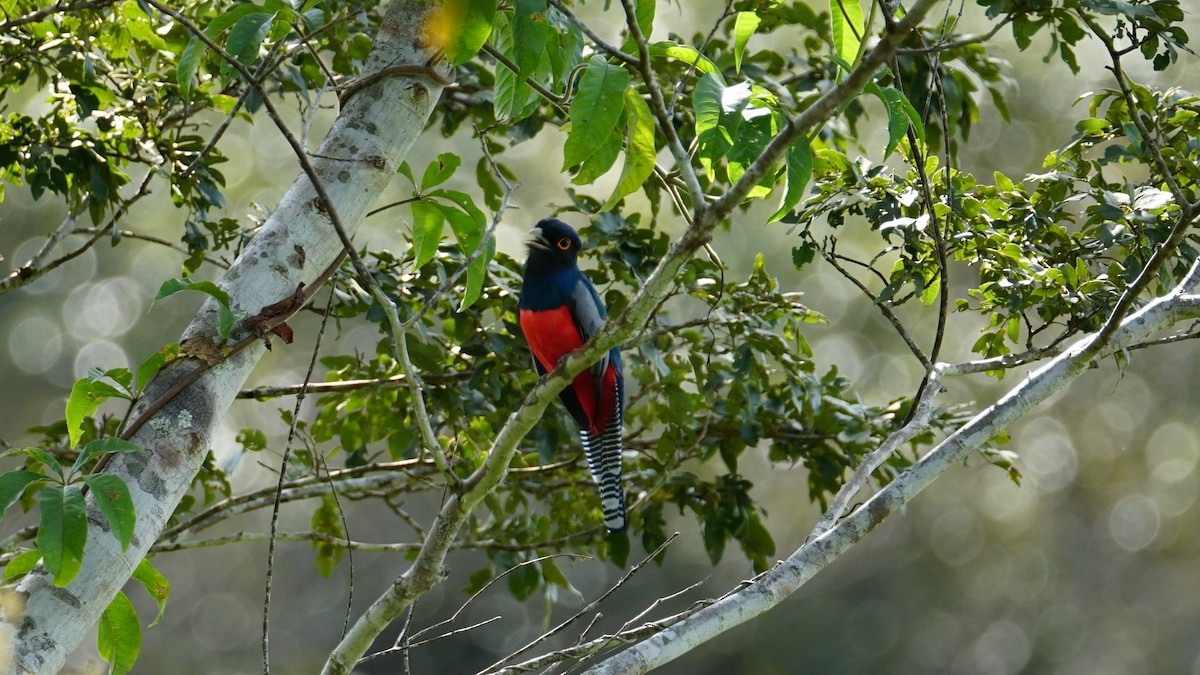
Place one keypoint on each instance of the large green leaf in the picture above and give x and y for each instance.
(62, 531)
(595, 109)
(119, 636)
(847, 18)
(111, 495)
(639, 150)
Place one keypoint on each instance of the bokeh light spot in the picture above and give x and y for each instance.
(1134, 522)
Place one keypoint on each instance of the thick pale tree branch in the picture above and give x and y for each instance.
(771, 588)
(41, 623)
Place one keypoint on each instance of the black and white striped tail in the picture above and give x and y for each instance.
(604, 460)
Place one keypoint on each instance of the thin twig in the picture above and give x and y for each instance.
(588, 608)
(831, 257)
(283, 466)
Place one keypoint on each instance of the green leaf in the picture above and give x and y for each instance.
(440, 170)
(476, 273)
(706, 102)
(21, 565)
(83, 402)
(189, 60)
(688, 55)
(172, 286)
(467, 230)
(247, 36)
(120, 636)
(152, 365)
(639, 151)
(594, 110)
(155, 584)
(13, 484)
(743, 28)
(62, 531)
(901, 114)
(327, 520)
(512, 97)
(799, 171)
(530, 32)
(599, 162)
(466, 25)
(103, 446)
(427, 226)
(41, 456)
(847, 18)
(111, 494)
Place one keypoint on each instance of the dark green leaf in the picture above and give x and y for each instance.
(103, 446)
(799, 171)
(13, 484)
(687, 54)
(530, 32)
(427, 226)
(112, 497)
(62, 531)
(185, 71)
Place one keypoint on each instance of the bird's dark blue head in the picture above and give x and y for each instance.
(553, 245)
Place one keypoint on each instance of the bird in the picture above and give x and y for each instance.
(559, 310)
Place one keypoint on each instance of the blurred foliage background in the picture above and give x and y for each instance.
(1089, 566)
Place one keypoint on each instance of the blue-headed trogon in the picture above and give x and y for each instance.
(559, 311)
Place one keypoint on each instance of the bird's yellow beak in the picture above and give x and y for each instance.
(536, 239)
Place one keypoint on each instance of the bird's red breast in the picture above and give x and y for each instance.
(552, 334)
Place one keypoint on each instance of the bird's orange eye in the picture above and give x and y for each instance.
(564, 244)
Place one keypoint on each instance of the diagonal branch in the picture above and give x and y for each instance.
(774, 586)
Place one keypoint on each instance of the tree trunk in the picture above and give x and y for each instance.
(42, 624)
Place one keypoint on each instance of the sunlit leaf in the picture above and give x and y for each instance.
(639, 151)
(847, 18)
(744, 26)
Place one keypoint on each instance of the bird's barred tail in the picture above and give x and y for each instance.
(604, 460)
